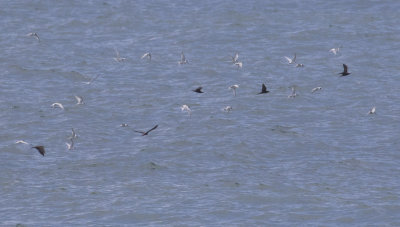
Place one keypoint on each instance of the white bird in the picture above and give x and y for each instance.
(79, 100)
(228, 108)
(92, 80)
(372, 111)
(299, 65)
(148, 55)
(183, 59)
(34, 34)
(293, 95)
(187, 109)
(235, 58)
(57, 104)
(316, 89)
(291, 60)
(334, 50)
(70, 146)
(239, 64)
(233, 87)
(21, 141)
(123, 125)
(118, 57)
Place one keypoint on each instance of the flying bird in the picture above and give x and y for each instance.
(334, 50)
(372, 111)
(291, 60)
(316, 89)
(79, 100)
(21, 141)
(40, 149)
(183, 59)
(118, 57)
(92, 80)
(57, 104)
(147, 55)
(146, 133)
(293, 95)
(263, 89)
(345, 72)
(34, 34)
(198, 90)
(233, 87)
(187, 109)
(228, 108)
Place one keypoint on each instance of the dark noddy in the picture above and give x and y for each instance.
(198, 90)
(146, 133)
(40, 149)
(344, 73)
(263, 89)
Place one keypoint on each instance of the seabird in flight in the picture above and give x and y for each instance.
(345, 72)
(263, 89)
(198, 90)
(145, 133)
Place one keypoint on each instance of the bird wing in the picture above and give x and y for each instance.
(151, 129)
(145, 55)
(182, 57)
(344, 68)
(139, 131)
(264, 88)
(288, 59)
(294, 59)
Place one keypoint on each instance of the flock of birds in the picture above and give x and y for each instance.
(184, 108)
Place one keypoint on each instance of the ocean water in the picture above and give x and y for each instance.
(314, 160)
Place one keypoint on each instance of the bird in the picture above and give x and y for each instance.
(334, 50)
(198, 90)
(146, 133)
(70, 146)
(79, 100)
(118, 57)
(316, 89)
(233, 87)
(34, 34)
(293, 95)
(21, 141)
(372, 111)
(57, 104)
(227, 108)
(40, 149)
(291, 60)
(263, 89)
(148, 55)
(345, 72)
(299, 65)
(235, 58)
(123, 125)
(187, 109)
(183, 59)
(92, 80)
(239, 64)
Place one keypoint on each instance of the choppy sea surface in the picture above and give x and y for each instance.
(317, 159)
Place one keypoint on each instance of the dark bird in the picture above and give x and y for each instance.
(263, 89)
(198, 90)
(344, 73)
(145, 133)
(40, 149)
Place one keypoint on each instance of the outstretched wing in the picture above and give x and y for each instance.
(151, 129)
(344, 68)
(139, 131)
(264, 88)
